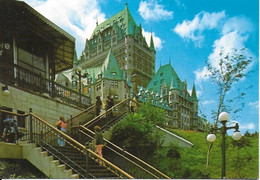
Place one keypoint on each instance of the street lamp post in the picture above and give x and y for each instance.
(223, 118)
(80, 75)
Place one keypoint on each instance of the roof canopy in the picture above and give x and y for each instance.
(24, 21)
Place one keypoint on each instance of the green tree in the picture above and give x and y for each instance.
(231, 68)
(240, 160)
(138, 132)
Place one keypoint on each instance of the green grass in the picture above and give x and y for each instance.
(195, 158)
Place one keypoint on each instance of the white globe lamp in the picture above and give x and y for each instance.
(211, 138)
(237, 135)
(223, 117)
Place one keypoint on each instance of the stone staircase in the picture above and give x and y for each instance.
(95, 170)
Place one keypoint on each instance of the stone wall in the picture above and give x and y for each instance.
(47, 108)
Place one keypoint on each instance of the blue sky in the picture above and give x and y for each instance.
(187, 33)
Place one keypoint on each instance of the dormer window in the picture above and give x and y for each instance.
(114, 74)
(99, 76)
(162, 80)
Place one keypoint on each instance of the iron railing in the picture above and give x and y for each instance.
(121, 158)
(109, 117)
(45, 135)
(37, 130)
(81, 117)
(15, 75)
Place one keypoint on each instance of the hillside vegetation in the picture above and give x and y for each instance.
(242, 158)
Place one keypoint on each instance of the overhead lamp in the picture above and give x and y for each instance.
(6, 90)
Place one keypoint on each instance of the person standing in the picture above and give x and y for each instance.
(99, 141)
(108, 103)
(11, 128)
(61, 125)
(98, 105)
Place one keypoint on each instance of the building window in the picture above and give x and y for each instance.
(112, 84)
(161, 74)
(155, 83)
(98, 87)
(74, 83)
(161, 81)
(89, 80)
(116, 84)
(114, 39)
(164, 92)
(99, 76)
(34, 62)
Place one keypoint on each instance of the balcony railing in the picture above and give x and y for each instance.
(15, 75)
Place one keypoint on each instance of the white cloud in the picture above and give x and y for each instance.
(76, 17)
(179, 3)
(193, 30)
(247, 126)
(234, 35)
(198, 92)
(201, 75)
(254, 104)
(156, 40)
(207, 102)
(237, 23)
(151, 10)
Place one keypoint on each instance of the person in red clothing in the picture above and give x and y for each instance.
(99, 140)
(61, 125)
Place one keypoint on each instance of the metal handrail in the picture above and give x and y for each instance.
(106, 112)
(74, 118)
(13, 113)
(85, 127)
(81, 148)
(20, 77)
(129, 154)
(129, 160)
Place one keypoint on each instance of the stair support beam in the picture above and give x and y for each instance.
(87, 160)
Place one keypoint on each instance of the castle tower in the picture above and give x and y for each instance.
(121, 33)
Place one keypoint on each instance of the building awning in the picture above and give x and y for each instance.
(23, 18)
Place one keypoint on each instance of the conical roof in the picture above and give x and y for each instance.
(111, 68)
(194, 94)
(123, 19)
(165, 74)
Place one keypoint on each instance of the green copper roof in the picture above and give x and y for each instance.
(123, 19)
(152, 44)
(165, 75)
(194, 94)
(111, 68)
(75, 59)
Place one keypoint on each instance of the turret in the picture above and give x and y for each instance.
(152, 44)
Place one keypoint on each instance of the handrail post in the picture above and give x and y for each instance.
(31, 134)
(41, 138)
(80, 134)
(70, 122)
(87, 159)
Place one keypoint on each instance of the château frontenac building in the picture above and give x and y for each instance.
(117, 62)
